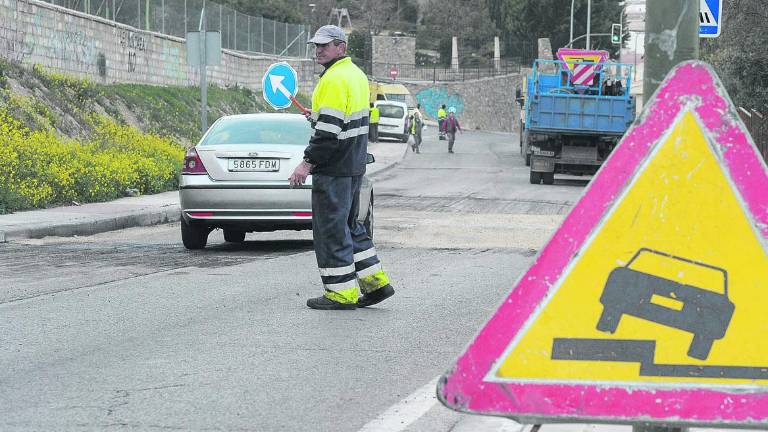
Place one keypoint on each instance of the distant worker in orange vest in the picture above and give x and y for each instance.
(440, 119)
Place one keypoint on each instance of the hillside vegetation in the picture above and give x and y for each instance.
(65, 140)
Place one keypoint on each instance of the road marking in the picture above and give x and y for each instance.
(402, 414)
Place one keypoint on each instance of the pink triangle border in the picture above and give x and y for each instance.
(463, 388)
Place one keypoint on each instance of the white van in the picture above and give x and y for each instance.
(393, 120)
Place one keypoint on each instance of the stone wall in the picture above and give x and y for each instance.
(486, 104)
(391, 50)
(65, 41)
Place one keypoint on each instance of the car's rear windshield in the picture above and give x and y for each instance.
(396, 97)
(255, 130)
(391, 111)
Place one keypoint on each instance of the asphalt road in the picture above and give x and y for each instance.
(128, 330)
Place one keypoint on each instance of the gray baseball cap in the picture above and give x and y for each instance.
(328, 33)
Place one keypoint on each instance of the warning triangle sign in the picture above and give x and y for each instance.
(648, 303)
(572, 56)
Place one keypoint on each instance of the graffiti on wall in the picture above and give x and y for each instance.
(172, 67)
(34, 38)
(431, 98)
(131, 42)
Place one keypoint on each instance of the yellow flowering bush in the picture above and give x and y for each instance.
(40, 169)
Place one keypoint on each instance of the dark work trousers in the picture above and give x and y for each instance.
(373, 132)
(343, 249)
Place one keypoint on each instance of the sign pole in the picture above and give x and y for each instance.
(672, 37)
(203, 83)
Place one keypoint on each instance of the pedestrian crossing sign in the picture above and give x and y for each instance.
(648, 303)
(710, 15)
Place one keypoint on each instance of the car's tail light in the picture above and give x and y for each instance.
(302, 214)
(193, 164)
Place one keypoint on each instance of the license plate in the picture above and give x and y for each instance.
(254, 164)
(543, 153)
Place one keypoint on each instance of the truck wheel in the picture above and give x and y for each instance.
(549, 178)
(524, 149)
(535, 177)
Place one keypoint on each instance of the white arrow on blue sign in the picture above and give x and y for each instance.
(710, 18)
(279, 85)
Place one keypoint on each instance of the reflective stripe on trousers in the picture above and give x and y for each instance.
(345, 254)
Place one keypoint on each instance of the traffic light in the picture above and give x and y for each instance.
(616, 34)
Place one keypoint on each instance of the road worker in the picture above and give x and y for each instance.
(336, 158)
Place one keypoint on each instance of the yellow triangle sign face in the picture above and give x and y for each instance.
(671, 287)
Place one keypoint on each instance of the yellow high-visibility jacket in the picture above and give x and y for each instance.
(340, 110)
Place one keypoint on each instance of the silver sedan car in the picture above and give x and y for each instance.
(236, 179)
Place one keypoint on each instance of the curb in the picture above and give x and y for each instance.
(390, 166)
(86, 227)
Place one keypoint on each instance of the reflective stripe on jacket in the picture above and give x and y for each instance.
(340, 108)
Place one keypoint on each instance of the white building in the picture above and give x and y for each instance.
(633, 50)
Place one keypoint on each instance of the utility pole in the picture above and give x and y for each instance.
(203, 84)
(671, 37)
(589, 22)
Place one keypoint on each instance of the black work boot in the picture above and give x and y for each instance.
(377, 296)
(325, 303)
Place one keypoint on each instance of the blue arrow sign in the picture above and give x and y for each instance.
(279, 85)
(710, 15)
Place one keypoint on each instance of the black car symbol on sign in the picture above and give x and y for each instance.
(702, 312)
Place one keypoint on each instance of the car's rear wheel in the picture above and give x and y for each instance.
(548, 178)
(193, 236)
(405, 138)
(535, 177)
(234, 236)
(369, 219)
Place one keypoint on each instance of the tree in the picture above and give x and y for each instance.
(740, 55)
(290, 11)
(525, 21)
(470, 22)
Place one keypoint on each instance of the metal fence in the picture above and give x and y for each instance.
(177, 17)
(757, 124)
(412, 72)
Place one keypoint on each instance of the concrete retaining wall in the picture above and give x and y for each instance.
(487, 104)
(66, 41)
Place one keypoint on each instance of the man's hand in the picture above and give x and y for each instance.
(300, 174)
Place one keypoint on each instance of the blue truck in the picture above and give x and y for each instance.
(574, 113)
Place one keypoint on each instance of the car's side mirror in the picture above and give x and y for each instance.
(369, 158)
